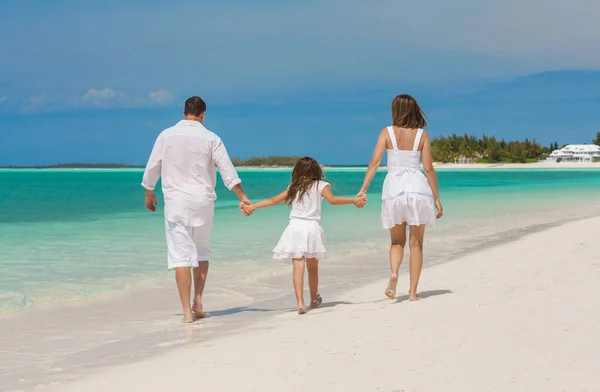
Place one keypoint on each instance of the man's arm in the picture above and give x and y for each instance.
(228, 173)
(152, 174)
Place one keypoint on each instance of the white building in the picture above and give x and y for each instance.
(575, 153)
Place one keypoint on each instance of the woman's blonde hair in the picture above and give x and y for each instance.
(406, 113)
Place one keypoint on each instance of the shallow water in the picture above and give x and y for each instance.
(83, 274)
(69, 234)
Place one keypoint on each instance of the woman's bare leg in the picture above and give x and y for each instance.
(398, 241)
(312, 265)
(417, 233)
(299, 283)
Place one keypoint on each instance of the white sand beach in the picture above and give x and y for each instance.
(518, 316)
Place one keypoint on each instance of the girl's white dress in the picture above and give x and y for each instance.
(406, 195)
(304, 237)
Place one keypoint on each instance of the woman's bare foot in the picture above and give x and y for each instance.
(315, 303)
(198, 312)
(413, 297)
(390, 291)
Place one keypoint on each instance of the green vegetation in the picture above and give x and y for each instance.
(487, 149)
(266, 161)
(447, 149)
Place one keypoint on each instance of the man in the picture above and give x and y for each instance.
(186, 156)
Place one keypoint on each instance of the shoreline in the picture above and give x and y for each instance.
(467, 302)
(107, 339)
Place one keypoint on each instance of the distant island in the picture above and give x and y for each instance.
(472, 149)
(445, 149)
(269, 161)
(77, 166)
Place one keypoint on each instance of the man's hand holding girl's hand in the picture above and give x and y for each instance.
(247, 209)
(244, 204)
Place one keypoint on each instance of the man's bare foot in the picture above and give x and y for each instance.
(390, 291)
(315, 303)
(198, 312)
(188, 316)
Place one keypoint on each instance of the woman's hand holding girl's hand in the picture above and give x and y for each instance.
(438, 206)
(360, 200)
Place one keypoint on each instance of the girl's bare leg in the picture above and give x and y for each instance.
(417, 233)
(398, 242)
(313, 282)
(298, 278)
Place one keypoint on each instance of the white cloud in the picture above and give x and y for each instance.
(317, 44)
(104, 98)
(112, 98)
(161, 97)
(2, 99)
(39, 101)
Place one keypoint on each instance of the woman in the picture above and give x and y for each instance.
(409, 197)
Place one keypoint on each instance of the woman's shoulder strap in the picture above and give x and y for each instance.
(417, 139)
(392, 137)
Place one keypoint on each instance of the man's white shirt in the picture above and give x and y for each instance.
(187, 157)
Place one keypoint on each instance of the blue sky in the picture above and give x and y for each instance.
(97, 81)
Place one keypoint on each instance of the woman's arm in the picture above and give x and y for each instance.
(338, 200)
(430, 173)
(273, 201)
(375, 161)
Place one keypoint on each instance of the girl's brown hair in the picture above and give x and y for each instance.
(406, 113)
(305, 174)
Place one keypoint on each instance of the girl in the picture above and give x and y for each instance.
(303, 240)
(408, 195)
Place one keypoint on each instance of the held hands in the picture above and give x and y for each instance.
(360, 200)
(246, 207)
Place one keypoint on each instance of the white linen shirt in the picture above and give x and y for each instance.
(187, 156)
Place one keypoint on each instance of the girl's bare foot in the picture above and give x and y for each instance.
(301, 308)
(316, 302)
(390, 291)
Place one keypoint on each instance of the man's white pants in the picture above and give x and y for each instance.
(187, 245)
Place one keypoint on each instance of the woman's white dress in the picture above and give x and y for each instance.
(304, 237)
(406, 195)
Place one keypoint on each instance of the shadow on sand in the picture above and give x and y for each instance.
(333, 304)
(240, 309)
(232, 311)
(424, 295)
(324, 305)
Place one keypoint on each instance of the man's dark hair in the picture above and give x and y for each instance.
(194, 106)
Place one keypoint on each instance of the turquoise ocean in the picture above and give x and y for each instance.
(73, 234)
